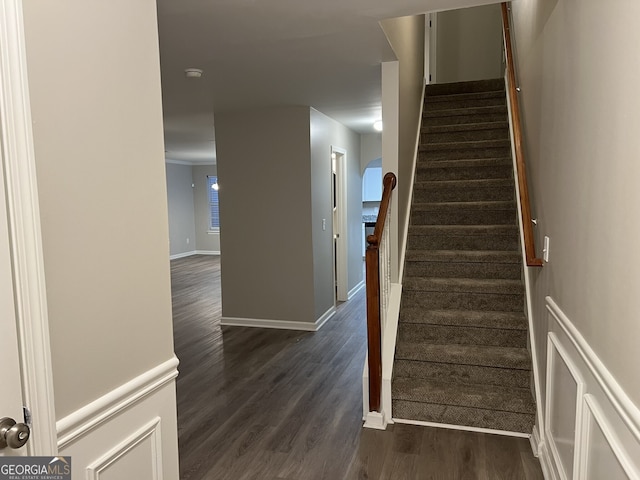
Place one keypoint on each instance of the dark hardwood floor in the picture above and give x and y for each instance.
(280, 404)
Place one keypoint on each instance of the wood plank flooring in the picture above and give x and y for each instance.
(287, 405)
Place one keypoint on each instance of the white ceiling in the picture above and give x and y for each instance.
(260, 53)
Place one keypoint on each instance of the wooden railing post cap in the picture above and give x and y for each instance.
(390, 177)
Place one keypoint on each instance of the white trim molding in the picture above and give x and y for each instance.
(352, 293)
(279, 324)
(151, 431)
(601, 434)
(192, 253)
(176, 256)
(24, 221)
(72, 427)
(462, 427)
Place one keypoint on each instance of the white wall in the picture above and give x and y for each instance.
(180, 200)
(102, 188)
(469, 44)
(206, 241)
(578, 67)
(406, 36)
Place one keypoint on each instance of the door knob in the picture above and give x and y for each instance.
(12, 434)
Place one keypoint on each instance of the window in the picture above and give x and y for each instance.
(214, 214)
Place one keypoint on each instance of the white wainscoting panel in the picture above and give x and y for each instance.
(135, 457)
(591, 426)
(129, 434)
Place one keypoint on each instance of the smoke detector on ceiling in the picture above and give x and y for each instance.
(193, 73)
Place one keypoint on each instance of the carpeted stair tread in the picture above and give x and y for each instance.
(472, 417)
(457, 206)
(456, 237)
(463, 256)
(486, 356)
(463, 285)
(461, 335)
(466, 127)
(470, 318)
(437, 300)
(466, 163)
(464, 112)
(451, 373)
(463, 230)
(464, 87)
(492, 397)
(498, 94)
(483, 189)
(479, 144)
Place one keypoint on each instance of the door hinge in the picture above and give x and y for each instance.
(27, 416)
(429, 77)
(429, 23)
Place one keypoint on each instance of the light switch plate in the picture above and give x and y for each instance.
(545, 249)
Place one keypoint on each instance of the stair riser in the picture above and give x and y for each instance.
(453, 334)
(465, 136)
(463, 242)
(464, 301)
(463, 194)
(489, 85)
(439, 104)
(458, 173)
(472, 417)
(504, 271)
(500, 116)
(454, 373)
(464, 217)
(466, 153)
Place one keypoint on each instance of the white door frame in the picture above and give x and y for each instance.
(342, 257)
(18, 159)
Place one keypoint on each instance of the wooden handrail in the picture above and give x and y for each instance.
(374, 328)
(525, 205)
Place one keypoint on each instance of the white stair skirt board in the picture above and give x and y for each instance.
(279, 324)
(462, 427)
(375, 420)
(355, 290)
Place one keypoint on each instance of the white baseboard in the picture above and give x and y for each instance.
(182, 255)
(375, 420)
(352, 293)
(134, 424)
(194, 252)
(279, 324)
(462, 427)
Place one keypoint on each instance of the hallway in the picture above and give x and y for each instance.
(281, 404)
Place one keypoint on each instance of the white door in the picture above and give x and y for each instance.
(11, 395)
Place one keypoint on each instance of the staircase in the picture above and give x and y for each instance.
(461, 353)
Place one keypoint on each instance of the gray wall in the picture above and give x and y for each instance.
(101, 179)
(205, 241)
(370, 148)
(265, 214)
(578, 66)
(182, 228)
(325, 133)
(406, 36)
(469, 44)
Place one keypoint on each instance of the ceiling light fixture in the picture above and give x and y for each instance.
(193, 72)
(377, 125)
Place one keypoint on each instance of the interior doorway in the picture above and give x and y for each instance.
(339, 222)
